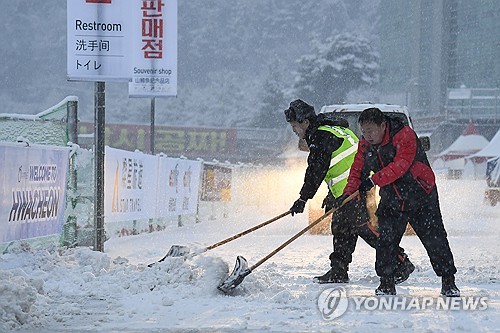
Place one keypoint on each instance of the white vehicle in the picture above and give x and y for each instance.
(351, 112)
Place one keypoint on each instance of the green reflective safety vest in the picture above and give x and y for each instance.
(342, 159)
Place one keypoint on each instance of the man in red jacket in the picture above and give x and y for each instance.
(408, 194)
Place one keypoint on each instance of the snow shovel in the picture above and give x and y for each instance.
(241, 267)
(181, 250)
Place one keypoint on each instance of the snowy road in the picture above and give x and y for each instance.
(80, 290)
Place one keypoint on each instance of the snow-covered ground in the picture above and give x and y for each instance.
(59, 290)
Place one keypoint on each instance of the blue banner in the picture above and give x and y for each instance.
(32, 190)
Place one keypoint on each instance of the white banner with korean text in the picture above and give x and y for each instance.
(32, 190)
(178, 186)
(129, 185)
(190, 173)
(141, 186)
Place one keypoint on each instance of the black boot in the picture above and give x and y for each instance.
(449, 288)
(386, 287)
(332, 276)
(336, 274)
(404, 268)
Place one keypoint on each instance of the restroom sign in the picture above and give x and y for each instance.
(99, 38)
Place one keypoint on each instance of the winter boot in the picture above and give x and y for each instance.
(404, 268)
(332, 276)
(449, 288)
(386, 287)
(336, 274)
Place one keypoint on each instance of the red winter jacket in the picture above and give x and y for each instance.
(400, 167)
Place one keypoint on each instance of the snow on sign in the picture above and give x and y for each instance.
(154, 54)
(99, 38)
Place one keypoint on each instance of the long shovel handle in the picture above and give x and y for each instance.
(303, 231)
(179, 250)
(247, 231)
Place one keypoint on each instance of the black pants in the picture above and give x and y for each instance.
(427, 223)
(348, 223)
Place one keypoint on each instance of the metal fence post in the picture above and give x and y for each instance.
(69, 229)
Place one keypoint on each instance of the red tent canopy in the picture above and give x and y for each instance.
(468, 143)
(470, 129)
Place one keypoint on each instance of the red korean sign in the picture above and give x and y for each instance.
(155, 50)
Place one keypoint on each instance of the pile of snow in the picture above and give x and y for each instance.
(76, 289)
(55, 279)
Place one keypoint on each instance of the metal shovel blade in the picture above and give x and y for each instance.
(236, 277)
(174, 251)
(177, 251)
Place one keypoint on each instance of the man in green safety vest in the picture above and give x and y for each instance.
(332, 147)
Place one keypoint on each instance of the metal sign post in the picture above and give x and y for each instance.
(152, 139)
(152, 143)
(99, 124)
